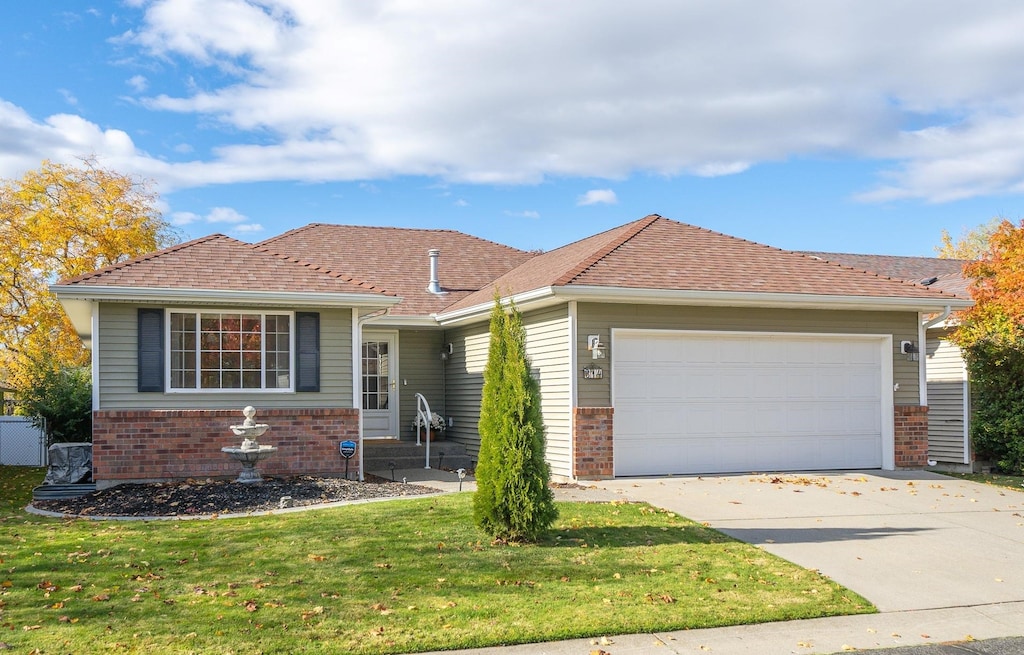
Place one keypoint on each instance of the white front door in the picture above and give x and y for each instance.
(380, 387)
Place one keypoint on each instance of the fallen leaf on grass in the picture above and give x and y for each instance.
(101, 597)
(27, 628)
(316, 558)
(316, 611)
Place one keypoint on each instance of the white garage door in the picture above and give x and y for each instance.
(719, 403)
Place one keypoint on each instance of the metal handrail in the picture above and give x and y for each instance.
(424, 416)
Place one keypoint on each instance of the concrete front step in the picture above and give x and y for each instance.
(385, 455)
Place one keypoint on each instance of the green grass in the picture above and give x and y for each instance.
(997, 479)
(397, 576)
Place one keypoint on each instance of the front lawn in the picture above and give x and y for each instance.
(1015, 482)
(389, 577)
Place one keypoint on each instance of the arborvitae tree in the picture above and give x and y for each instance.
(513, 501)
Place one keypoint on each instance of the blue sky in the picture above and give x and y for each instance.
(839, 125)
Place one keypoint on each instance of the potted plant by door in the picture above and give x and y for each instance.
(435, 429)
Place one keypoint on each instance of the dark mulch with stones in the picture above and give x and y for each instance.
(207, 497)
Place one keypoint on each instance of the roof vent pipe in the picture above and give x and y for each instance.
(435, 285)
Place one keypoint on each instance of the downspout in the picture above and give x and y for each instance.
(357, 372)
(922, 339)
(940, 318)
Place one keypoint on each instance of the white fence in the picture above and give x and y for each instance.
(21, 443)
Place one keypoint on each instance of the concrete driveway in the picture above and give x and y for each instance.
(905, 540)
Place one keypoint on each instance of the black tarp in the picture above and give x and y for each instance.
(70, 463)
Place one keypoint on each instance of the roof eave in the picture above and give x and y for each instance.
(192, 296)
(79, 301)
(546, 296)
(762, 299)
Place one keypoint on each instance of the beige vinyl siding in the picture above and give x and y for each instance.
(601, 318)
(420, 370)
(547, 346)
(464, 381)
(947, 393)
(118, 348)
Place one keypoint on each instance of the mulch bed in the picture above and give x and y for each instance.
(208, 497)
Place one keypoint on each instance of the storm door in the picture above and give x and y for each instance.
(379, 385)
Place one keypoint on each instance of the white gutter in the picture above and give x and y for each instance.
(78, 300)
(552, 295)
(164, 295)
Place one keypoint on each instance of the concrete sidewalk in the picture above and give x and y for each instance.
(811, 637)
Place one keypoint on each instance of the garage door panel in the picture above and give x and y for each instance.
(731, 404)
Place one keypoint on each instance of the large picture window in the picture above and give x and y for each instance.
(230, 350)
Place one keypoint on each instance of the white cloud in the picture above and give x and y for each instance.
(597, 197)
(461, 203)
(529, 213)
(225, 215)
(504, 93)
(217, 215)
(138, 82)
(69, 97)
(184, 218)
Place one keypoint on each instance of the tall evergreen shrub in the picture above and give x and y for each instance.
(513, 501)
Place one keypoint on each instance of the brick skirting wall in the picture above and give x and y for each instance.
(910, 431)
(144, 445)
(592, 451)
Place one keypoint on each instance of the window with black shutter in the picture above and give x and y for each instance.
(307, 346)
(151, 350)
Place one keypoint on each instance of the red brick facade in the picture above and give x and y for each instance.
(911, 436)
(592, 456)
(175, 444)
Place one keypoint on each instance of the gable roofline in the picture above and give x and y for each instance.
(547, 296)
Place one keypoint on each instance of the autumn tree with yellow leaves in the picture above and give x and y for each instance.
(991, 334)
(57, 222)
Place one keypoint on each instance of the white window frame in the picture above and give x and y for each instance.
(263, 350)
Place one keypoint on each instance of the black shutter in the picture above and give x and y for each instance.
(307, 357)
(151, 350)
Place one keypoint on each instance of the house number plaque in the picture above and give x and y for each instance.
(593, 373)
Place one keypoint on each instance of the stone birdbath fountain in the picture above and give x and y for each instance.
(251, 452)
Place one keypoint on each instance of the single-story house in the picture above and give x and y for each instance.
(660, 348)
(947, 391)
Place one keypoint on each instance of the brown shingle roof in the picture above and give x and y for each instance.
(658, 253)
(912, 269)
(218, 262)
(652, 253)
(396, 260)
